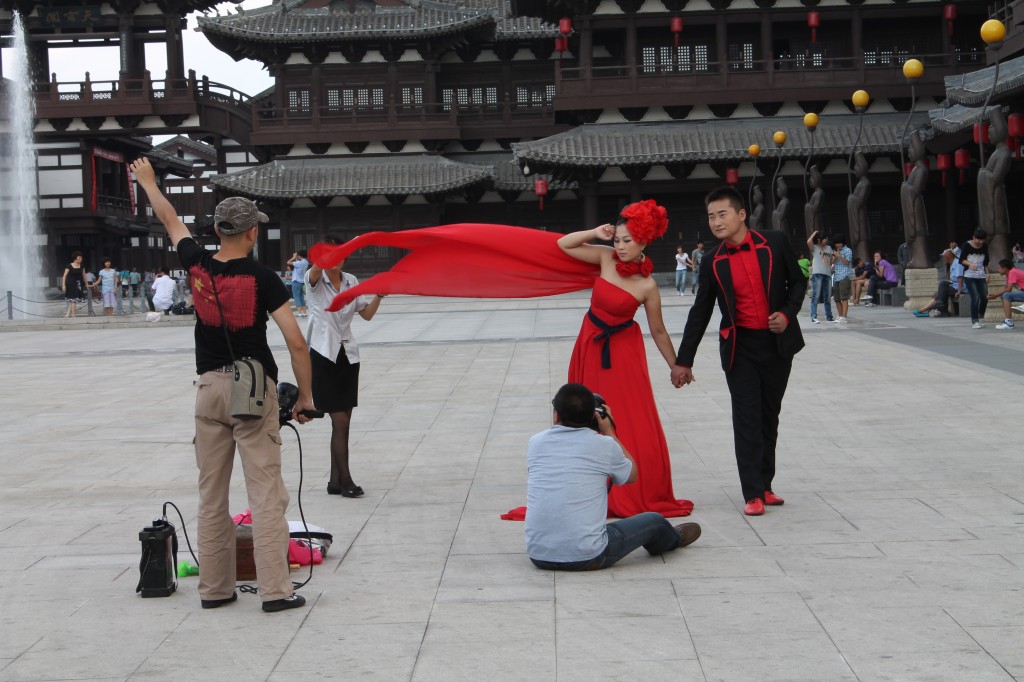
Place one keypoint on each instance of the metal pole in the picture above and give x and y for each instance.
(750, 191)
(10, 304)
(807, 166)
(903, 137)
(853, 150)
(778, 167)
(984, 108)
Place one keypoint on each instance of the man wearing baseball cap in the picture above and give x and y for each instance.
(233, 297)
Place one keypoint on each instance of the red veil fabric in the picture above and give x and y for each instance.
(466, 259)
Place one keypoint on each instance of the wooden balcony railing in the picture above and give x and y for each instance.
(730, 79)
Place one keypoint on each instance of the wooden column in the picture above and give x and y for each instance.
(175, 52)
(721, 43)
(588, 190)
(631, 51)
(857, 41)
(766, 45)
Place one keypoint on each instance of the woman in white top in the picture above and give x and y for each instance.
(682, 265)
(334, 357)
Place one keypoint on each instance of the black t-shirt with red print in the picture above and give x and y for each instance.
(248, 293)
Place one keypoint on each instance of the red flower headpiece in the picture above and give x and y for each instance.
(645, 220)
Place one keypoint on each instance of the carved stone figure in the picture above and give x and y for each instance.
(780, 216)
(857, 209)
(915, 218)
(992, 208)
(812, 209)
(756, 219)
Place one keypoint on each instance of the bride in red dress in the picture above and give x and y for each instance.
(609, 357)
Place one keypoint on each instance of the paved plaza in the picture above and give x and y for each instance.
(899, 554)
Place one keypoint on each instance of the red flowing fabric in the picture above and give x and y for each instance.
(466, 259)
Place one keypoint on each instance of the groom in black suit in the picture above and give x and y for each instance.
(759, 287)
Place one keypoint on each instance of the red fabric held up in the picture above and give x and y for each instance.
(465, 259)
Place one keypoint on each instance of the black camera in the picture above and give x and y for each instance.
(600, 408)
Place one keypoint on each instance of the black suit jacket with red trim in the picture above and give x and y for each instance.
(785, 286)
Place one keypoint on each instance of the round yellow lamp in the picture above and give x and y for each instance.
(754, 150)
(861, 99)
(779, 138)
(913, 68)
(811, 121)
(993, 31)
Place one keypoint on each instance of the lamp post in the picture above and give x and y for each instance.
(755, 151)
(912, 70)
(811, 123)
(779, 138)
(860, 99)
(992, 32)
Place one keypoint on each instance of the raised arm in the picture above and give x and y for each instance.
(162, 208)
(575, 244)
(370, 310)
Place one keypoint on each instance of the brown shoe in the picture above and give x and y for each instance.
(688, 533)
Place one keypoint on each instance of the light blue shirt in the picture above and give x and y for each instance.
(108, 280)
(843, 270)
(299, 270)
(567, 492)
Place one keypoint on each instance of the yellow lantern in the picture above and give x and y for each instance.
(754, 150)
(993, 31)
(811, 121)
(913, 68)
(779, 138)
(861, 99)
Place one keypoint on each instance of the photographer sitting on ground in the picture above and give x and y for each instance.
(567, 493)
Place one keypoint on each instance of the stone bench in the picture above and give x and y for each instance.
(896, 296)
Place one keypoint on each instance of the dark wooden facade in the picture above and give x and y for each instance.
(481, 81)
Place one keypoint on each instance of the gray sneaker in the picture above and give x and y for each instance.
(1007, 324)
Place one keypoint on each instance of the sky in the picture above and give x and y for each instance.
(102, 63)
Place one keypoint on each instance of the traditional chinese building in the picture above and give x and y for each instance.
(393, 114)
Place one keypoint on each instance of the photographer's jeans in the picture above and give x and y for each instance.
(649, 530)
(977, 287)
(821, 287)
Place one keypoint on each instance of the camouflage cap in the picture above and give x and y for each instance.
(235, 215)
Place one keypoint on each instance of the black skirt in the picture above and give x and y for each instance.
(335, 384)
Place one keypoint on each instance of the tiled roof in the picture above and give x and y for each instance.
(330, 177)
(972, 88)
(624, 144)
(196, 146)
(507, 174)
(272, 25)
(956, 118)
(290, 23)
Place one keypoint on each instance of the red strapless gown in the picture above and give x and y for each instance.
(626, 386)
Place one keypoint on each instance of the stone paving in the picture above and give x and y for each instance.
(899, 554)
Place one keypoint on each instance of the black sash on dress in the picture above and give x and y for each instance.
(606, 335)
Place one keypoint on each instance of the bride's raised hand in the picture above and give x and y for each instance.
(605, 232)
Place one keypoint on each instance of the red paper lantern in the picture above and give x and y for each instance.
(1015, 125)
(565, 26)
(540, 188)
(962, 160)
(943, 162)
(984, 133)
(675, 24)
(949, 14)
(561, 45)
(732, 176)
(814, 21)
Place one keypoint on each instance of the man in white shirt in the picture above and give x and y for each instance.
(163, 291)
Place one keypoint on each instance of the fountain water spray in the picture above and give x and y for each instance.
(20, 236)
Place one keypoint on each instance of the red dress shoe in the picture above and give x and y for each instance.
(754, 507)
(772, 500)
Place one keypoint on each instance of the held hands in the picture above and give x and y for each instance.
(605, 232)
(777, 323)
(681, 376)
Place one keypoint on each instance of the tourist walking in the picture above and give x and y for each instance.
(842, 277)
(682, 265)
(74, 285)
(974, 258)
